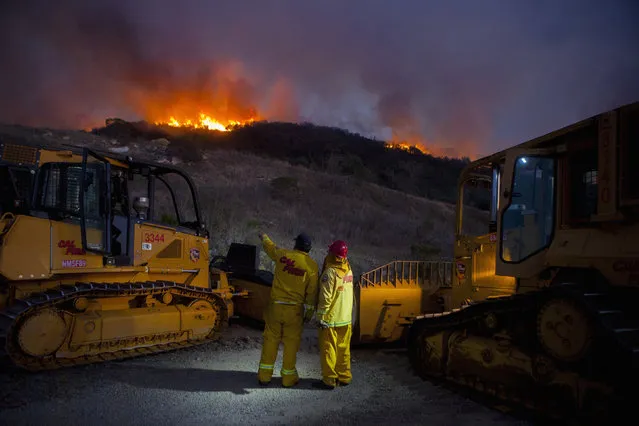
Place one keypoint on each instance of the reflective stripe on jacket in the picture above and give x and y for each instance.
(335, 302)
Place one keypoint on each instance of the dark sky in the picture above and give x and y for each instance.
(474, 76)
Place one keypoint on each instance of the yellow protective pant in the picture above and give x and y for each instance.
(283, 323)
(335, 354)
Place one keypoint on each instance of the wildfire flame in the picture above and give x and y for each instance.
(215, 98)
(406, 146)
(434, 149)
(204, 122)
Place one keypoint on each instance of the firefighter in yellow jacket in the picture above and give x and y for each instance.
(293, 301)
(334, 313)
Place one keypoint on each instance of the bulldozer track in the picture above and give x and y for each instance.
(613, 359)
(20, 309)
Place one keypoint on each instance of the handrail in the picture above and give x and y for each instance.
(431, 273)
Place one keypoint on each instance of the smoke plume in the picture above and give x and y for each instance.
(460, 77)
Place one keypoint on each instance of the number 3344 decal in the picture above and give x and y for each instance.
(150, 237)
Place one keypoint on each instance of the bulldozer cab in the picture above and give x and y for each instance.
(104, 210)
(152, 198)
(558, 225)
(106, 256)
(566, 200)
(476, 235)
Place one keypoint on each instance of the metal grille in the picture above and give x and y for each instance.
(50, 196)
(19, 154)
(61, 190)
(437, 273)
(72, 202)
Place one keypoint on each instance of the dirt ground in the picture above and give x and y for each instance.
(217, 384)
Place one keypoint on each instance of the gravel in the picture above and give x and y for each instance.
(217, 384)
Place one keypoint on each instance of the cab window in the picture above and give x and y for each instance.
(528, 222)
(59, 191)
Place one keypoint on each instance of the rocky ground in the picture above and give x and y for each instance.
(216, 384)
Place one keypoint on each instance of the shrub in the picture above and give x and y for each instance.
(285, 187)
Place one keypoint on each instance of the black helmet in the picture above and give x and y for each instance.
(303, 242)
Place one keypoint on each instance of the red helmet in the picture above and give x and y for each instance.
(338, 248)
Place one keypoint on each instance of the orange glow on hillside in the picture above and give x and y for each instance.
(413, 144)
(220, 99)
(204, 121)
(408, 144)
(217, 98)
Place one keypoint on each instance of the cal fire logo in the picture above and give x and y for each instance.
(194, 255)
(71, 250)
(289, 266)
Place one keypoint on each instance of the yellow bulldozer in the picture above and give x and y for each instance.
(101, 258)
(543, 307)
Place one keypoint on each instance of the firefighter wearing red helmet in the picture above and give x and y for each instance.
(293, 300)
(334, 313)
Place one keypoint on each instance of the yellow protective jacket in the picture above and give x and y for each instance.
(335, 301)
(295, 277)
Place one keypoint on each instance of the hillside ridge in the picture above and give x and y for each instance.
(243, 193)
(321, 148)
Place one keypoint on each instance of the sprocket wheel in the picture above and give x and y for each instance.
(43, 333)
(211, 310)
(563, 330)
(424, 357)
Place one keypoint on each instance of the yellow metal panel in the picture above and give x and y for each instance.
(25, 250)
(197, 257)
(484, 280)
(87, 328)
(66, 248)
(50, 156)
(151, 240)
(383, 310)
(65, 156)
(110, 304)
(118, 324)
(475, 271)
(255, 304)
(139, 322)
(613, 253)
